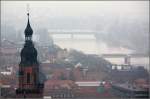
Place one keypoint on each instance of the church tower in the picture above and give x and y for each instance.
(30, 84)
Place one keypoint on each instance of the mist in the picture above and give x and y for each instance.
(117, 23)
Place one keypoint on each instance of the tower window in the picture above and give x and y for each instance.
(28, 78)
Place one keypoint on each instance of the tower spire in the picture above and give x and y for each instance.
(30, 83)
(28, 30)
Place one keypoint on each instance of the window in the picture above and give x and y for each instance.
(28, 77)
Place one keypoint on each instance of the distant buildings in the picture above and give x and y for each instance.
(121, 67)
(60, 89)
(8, 71)
(127, 90)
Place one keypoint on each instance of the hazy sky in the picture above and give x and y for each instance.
(121, 20)
(43, 10)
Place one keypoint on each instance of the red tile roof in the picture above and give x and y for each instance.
(51, 84)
